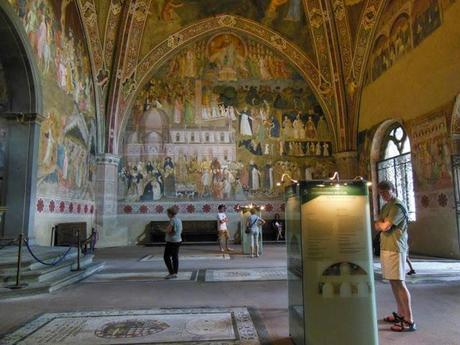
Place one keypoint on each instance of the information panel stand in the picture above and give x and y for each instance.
(330, 271)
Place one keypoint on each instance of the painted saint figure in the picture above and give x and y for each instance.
(245, 126)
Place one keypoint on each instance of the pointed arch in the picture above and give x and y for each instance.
(21, 70)
(227, 23)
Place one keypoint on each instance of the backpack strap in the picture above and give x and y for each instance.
(404, 210)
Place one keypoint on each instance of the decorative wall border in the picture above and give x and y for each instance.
(442, 199)
(45, 205)
(197, 208)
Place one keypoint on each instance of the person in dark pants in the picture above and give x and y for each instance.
(173, 241)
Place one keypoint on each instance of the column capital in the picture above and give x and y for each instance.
(107, 158)
(347, 163)
(24, 117)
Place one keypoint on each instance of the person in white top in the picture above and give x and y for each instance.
(222, 230)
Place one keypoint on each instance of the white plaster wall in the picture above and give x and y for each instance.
(45, 222)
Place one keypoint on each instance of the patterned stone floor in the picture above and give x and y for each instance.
(188, 257)
(212, 326)
(138, 276)
(242, 274)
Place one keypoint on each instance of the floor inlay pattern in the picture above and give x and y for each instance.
(188, 257)
(246, 274)
(211, 326)
(136, 276)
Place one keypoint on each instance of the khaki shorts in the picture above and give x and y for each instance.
(222, 234)
(393, 265)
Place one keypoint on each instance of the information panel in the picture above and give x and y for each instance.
(337, 271)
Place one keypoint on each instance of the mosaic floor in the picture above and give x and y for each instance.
(189, 257)
(137, 276)
(249, 274)
(211, 326)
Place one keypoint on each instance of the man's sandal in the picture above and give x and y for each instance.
(404, 326)
(393, 318)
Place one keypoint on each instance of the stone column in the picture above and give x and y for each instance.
(21, 183)
(347, 164)
(109, 234)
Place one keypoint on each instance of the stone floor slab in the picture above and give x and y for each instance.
(138, 276)
(216, 326)
(242, 274)
(188, 257)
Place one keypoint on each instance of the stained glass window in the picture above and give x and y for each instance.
(396, 166)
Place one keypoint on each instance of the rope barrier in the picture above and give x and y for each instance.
(54, 263)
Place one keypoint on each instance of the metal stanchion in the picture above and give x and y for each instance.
(78, 251)
(18, 284)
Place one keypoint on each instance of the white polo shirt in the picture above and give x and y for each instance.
(221, 217)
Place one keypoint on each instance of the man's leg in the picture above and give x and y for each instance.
(226, 242)
(405, 299)
(221, 240)
(396, 294)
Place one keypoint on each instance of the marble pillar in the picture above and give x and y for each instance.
(347, 164)
(21, 181)
(108, 232)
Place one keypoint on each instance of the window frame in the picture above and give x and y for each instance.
(395, 162)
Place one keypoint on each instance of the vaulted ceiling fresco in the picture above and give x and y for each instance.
(404, 25)
(284, 16)
(328, 42)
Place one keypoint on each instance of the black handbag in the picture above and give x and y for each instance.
(248, 227)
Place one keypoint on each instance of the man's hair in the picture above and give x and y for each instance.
(172, 210)
(386, 186)
(220, 207)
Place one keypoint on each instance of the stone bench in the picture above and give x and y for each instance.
(192, 231)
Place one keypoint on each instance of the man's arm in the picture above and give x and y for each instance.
(383, 225)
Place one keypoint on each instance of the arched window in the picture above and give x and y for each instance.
(396, 166)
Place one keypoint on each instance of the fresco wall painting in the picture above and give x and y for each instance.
(68, 135)
(224, 119)
(404, 25)
(431, 149)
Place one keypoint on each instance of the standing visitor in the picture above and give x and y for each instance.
(393, 225)
(277, 226)
(222, 231)
(254, 222)
(173, 241)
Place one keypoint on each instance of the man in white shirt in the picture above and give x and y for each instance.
(222, 230)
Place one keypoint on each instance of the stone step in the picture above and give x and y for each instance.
(45, 273)
(8, 258)
(52, 285)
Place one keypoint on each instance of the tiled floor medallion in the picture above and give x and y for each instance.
(211, 326)
(189, 257)
(136, 276)
(246, 274)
